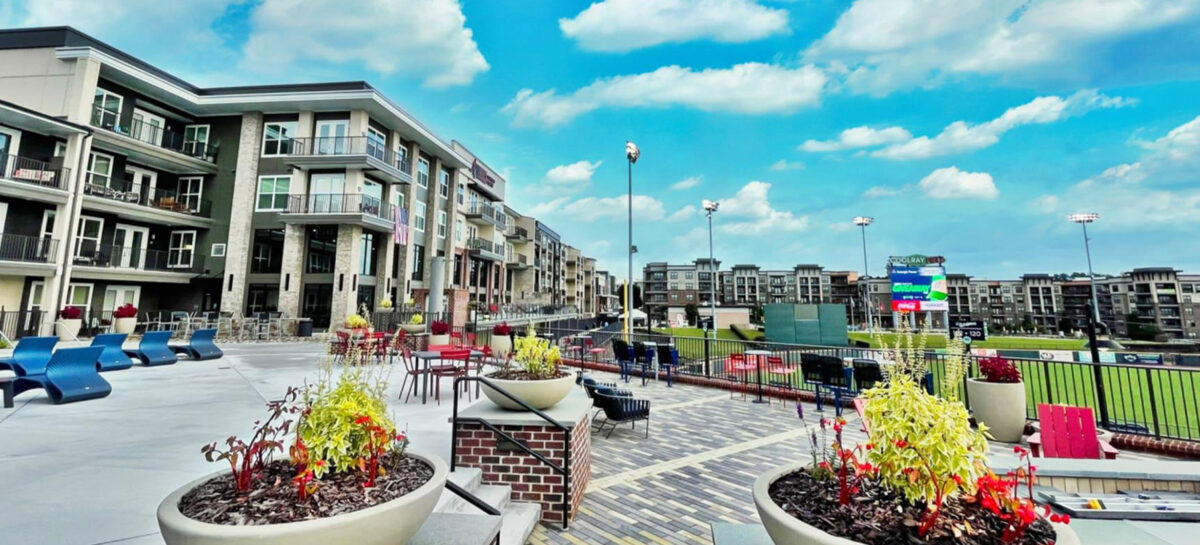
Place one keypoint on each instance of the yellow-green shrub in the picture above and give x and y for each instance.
(329, 430)
(536, 356)
(355, 321)
(416, 319)
(913, 433)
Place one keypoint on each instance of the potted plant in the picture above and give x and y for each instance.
(125, 318)
(386, 303)
(922, 478)
(416, 324)
(535, 379)
(439, 332)
(997, 399)
(348, 476)
(70, 320)
(357, 324)
(501, 341)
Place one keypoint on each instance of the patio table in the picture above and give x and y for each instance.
(425, 356)
(6, 384)
(759, 356)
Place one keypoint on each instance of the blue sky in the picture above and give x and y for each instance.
(967, 128)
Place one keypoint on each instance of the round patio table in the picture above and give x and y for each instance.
(759, 356)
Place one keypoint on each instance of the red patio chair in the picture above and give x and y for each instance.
(736, 367)
(459, 365)
(589, 346)
(456, 338)
(860, 405)
(1068, 432)
(775, 368)
(412, 369)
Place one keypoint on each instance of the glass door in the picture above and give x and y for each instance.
(129, 246)
(117, 296)
(325, 193)
(9, 142)
(147, 127)
(331, 137)
(140, 185)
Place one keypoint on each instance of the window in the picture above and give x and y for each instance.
(100, 169)
(106, 109)
(327, 184)
(418, 265)
(117, 296)
(218, 249)
(80, 295)
(190, 188)
(322, 248)
(376, 144)
(422, 172)
(444, 183)
(268, 251)
(60, 149)
(366, 256)
(441, 225)
(195, 140)
(181, 250)
(87, 245)
(462, 190)
(458, 229)
(277, 138)
(273, 193)
(147, 127)
(419, 216)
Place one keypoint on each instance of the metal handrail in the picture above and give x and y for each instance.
(152, 135)
(472, 499)
(350, 145)
(33, 171)
(561, 470)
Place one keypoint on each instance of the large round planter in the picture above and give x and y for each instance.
(501, 345)
(124, 325)
(541, 394)
(391, 523)
(439, 339)
(1000, 406)
(413, 329)
(785, 529)
(68, 330)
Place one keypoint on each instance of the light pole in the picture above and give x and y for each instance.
(1084, 218)
(710, 207)
(863, 222)
(631, 153)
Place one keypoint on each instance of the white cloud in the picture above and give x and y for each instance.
(886, 45)
(859, 137)
(425, 38)
(625, 25)
(951, 183)
(750, 212)
(750, 88)
(785, 165)
(613, 208)
(574, 177)
(880, 191)
(1045, 203)
(687, 183)
(683, 213)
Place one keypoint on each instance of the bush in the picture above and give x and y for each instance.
(502, 329)
(125, 311)
(332, 429)
(438, 327)
(355, 321)
(71, 313)
(416, 319)
(537, 357)
(999, 370)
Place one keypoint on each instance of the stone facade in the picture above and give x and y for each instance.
(241, 232)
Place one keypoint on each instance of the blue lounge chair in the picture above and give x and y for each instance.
(71, 375)
(200, 346)
(623, 353)
(153, 349)
(668, 358)
(30, 356)
(113, 358)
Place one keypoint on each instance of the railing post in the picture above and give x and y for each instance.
(707, 368)
(1097, 370)
(1153, 405)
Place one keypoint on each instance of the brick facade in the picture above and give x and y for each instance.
(531, 480)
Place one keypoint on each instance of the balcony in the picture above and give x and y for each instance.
(152, 145)
(25, 178)
(148, 203)
(340, 208)
(114, 262)
(22, 254)
(483, 213)
(349, 152)
(486, 249)
(518, 235)
(518, 262)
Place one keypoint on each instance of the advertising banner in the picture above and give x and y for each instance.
(919, 289)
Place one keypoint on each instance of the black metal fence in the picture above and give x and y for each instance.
(1162, 401)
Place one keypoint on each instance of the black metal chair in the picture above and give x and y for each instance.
(837, 379)
(867, 373)
(668, 358)
(810, 373)
(624, 355)
(620, 409)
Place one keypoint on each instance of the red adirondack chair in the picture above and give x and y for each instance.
(1068, 432)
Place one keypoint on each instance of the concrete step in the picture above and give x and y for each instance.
(470, 479)
(497, 496)
(457, 529)
(518, 522)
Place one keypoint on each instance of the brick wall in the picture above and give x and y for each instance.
(531, 480)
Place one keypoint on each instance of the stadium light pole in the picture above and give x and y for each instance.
(631, 153)
(1083, 219)
(710, 207)
(863, 222)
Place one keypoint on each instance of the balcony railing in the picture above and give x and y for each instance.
(348, 145)
(340, 203)
(486, 210)
(135, 258)
(150, 196)
(26, 248)
(32, 171)
(153, 135)
(485, 245)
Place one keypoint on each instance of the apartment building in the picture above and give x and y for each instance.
(1158, 296)
(550, 281)
(607, 300)
(121, 183)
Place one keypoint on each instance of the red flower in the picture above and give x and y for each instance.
(958, 480)
(362, 420)
(870, 446)
(900, 443)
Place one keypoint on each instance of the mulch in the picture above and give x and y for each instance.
(273, 499)
(520, 374)
(877, 516)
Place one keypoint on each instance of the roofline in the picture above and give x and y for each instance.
(56, 120)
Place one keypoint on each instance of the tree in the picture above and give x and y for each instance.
(1139, 329)
(1027, 323)
(637, 295)
(692, 313)
(756, 314)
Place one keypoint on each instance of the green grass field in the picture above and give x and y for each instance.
(995, 341)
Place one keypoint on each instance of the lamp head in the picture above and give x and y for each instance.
(863, 221)
(1084, 217)
(710, 206)
(632, 152)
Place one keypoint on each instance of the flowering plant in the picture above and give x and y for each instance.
(439, 327)
(125, 311)
(354, 321)
(416, 319)
(538, 358)
(70, 313)
(386, 303)
(999, 370)
(502, 329)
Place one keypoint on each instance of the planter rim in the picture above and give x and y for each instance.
(568, 376)
(169, 508)
(981, 381)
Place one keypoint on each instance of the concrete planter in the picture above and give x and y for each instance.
(1000, 406)
(413, 329)
(501, 345)
(124, 325)
(68, 330)
(785, 529)
(391, 523)
(540, 394)
(439, 339)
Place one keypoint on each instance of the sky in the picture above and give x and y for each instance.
(966, 128)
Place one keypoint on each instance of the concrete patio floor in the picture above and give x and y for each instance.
(94, 472)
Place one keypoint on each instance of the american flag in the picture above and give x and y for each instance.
(401, 226)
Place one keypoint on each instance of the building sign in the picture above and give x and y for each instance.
(915, 260)
(969, 330)
(919, 289)
(481, 174)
